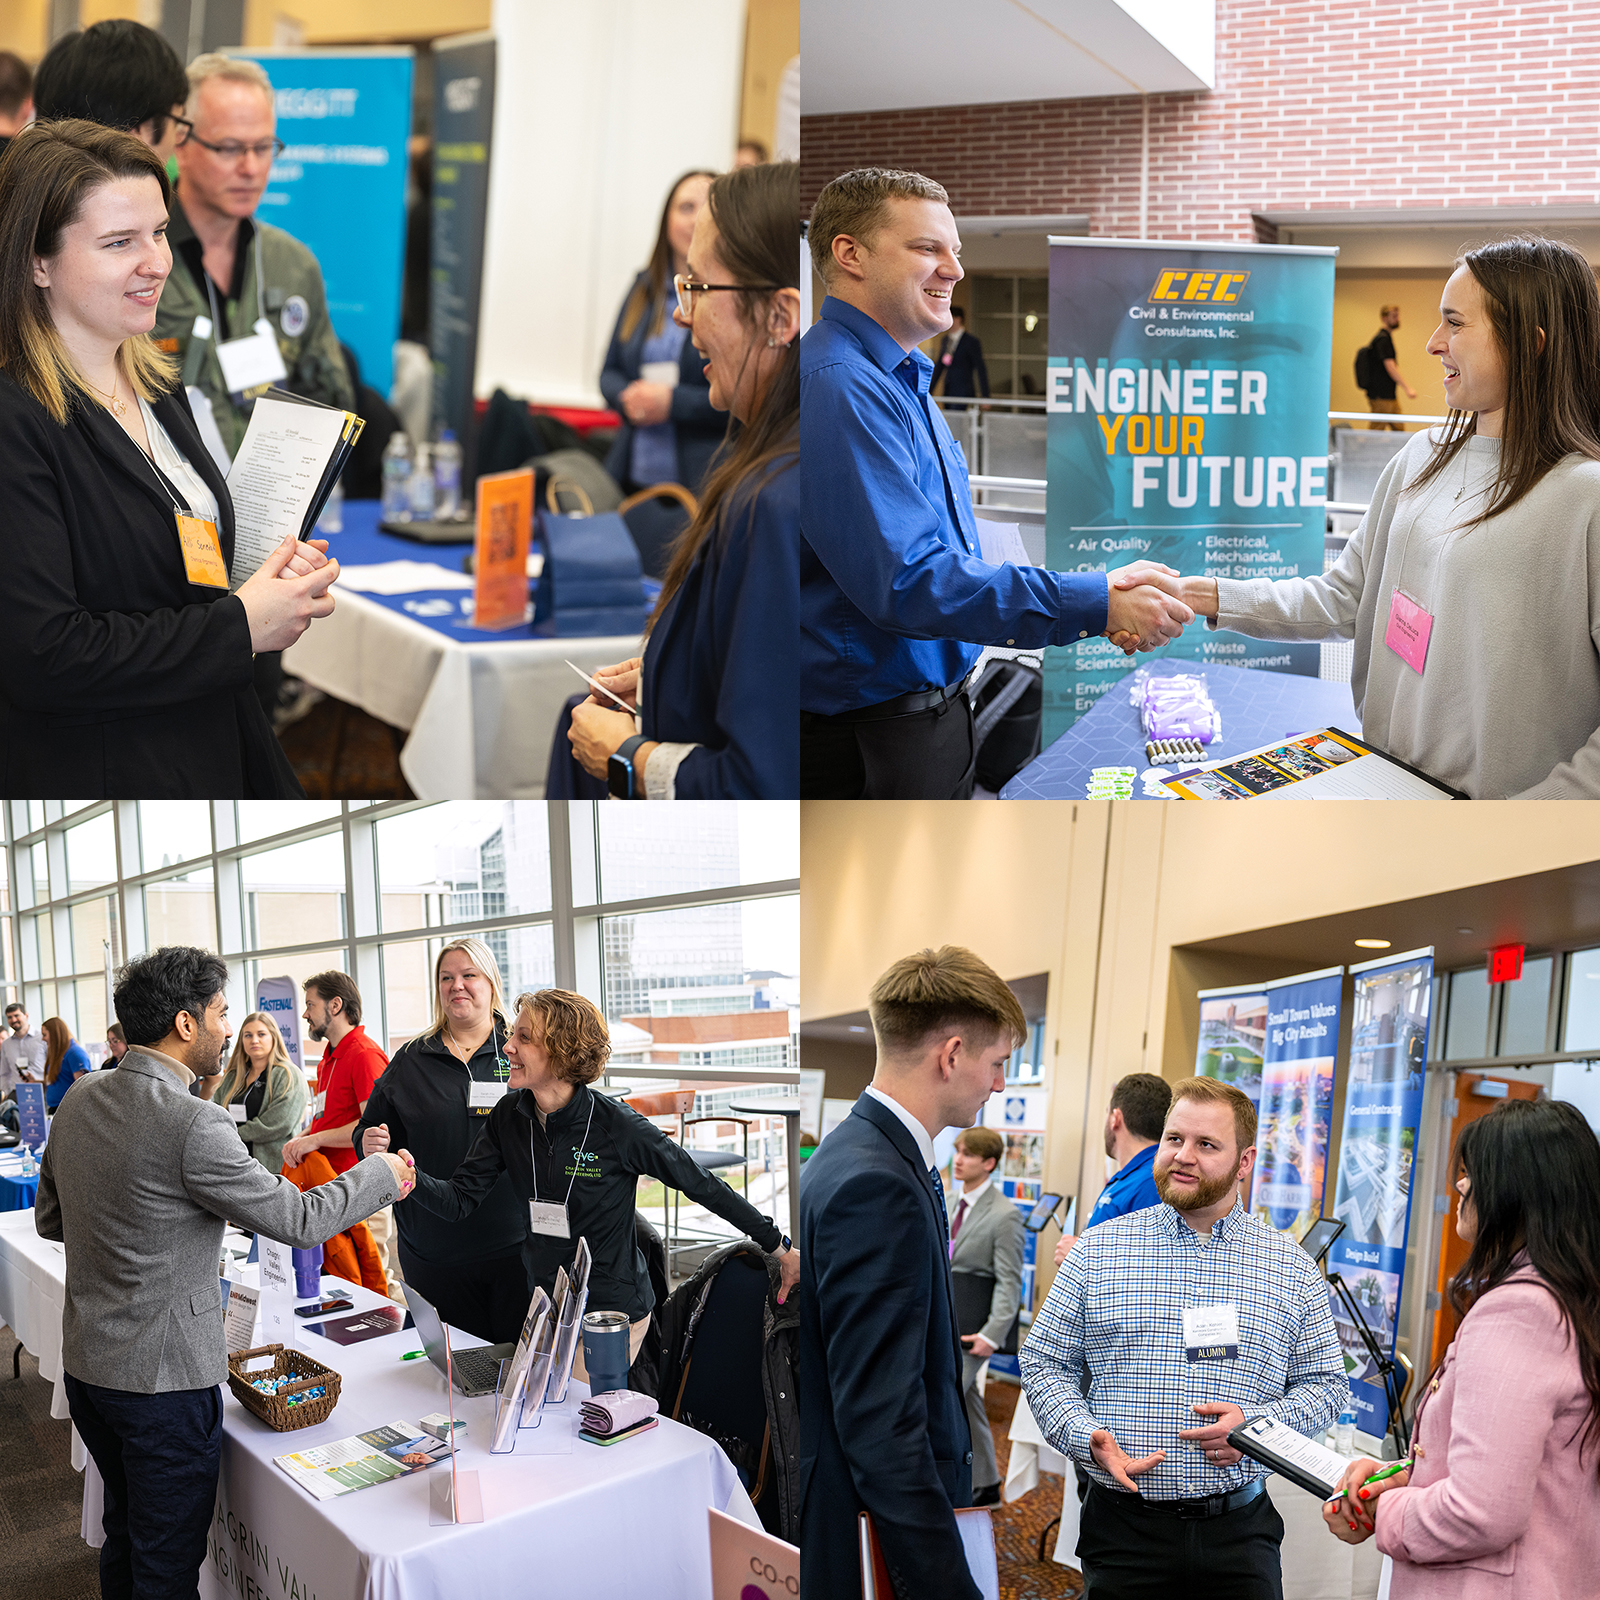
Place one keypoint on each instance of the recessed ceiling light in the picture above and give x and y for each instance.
(1373, 944)
(1463, 930)
(855, 1027)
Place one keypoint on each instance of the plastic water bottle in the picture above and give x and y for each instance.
(422, 486)
(446, 477)
(1345, 1434)
(397, 478)
(332, 518)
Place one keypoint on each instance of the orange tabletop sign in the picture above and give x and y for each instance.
(505, 526)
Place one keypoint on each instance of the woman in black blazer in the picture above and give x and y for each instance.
(643, 334)
(125, 663)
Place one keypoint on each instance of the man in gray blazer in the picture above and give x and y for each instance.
(136, 1179)
(985, 1263)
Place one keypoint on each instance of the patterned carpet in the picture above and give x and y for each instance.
(41, 1497)
(1017, 1526)
(340, 753)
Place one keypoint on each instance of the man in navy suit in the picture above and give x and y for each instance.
(883, 1428)
(961, 361)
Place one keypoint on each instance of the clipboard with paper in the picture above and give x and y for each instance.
(288, 462)
(1314, 1467)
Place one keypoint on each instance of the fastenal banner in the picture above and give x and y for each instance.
(1187, 399)
(279, 998)
(1295, 1112)
(1382, 1107)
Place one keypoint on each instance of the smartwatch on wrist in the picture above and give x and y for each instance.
(622, 780)
(784, 1244)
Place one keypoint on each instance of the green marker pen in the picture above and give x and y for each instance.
(411, 1355)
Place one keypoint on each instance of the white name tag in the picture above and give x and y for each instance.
(1211, 1333)
(549, 1218)
(319, 1105)
(238, 1113)
(485, 1095)
(252, 362)
(667, 372)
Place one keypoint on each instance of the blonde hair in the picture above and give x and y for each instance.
(948, 989)
(241, 1062)
(233, 69)
(1213, 1092)
(482, 958)
(857, 203)
(574, 1034)
(49, 172)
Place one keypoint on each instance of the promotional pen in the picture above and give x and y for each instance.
(411, 1355)
(1389, 1471)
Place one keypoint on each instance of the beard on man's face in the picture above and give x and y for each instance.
(1192, 1197)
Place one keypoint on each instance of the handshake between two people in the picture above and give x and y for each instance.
(1149, 605)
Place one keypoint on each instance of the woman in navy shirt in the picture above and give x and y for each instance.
(719, 697)
(65, 1061)
(670, 429)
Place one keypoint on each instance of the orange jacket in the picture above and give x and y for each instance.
(351, 1254)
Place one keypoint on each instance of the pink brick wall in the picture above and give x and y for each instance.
(1363, 104)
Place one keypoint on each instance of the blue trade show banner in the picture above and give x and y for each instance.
(1295, 1112)
(340, 185)
(32, 1125)
(1382, 1108)
(1187, 399)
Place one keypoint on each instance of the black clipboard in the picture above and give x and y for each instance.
(1246, 1444)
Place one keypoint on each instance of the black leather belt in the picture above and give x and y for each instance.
(1212, 1505)
(905, 705)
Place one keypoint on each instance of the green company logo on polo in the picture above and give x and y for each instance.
(585, 1164)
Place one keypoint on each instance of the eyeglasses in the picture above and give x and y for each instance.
(687, 289)
(231, 149)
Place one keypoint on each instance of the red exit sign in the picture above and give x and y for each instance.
(1505, 963)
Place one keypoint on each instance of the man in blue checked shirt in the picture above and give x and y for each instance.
(1187, 1310)
(895, 596)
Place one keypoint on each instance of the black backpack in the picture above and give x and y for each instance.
(1365, 364)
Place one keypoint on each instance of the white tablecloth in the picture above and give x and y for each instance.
(1316, 1566)
(481, 715)
(33, 1289)
(626, 1519)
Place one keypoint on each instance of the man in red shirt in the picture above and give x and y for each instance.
(351, 1063)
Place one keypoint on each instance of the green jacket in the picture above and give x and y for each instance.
(291, 297)
(281, 1111)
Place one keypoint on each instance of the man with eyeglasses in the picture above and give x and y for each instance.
(231, 273)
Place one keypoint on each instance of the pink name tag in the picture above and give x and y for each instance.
(1409, 629)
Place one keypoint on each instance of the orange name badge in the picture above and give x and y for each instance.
(202, 552)
(505, 526)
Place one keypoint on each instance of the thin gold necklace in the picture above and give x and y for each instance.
(117, 405)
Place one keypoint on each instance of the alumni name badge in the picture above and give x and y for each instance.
(1211, 1333)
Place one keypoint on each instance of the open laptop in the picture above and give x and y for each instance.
(473, 1371)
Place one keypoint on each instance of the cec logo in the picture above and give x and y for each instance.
(1215, 288)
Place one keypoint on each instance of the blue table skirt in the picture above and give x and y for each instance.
(17, 1193)
(1257, 707)
(362, 543)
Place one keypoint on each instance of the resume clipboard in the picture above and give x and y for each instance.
(1303, 1461)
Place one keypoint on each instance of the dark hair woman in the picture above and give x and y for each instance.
(575, 1158)
(65, 1060)
(1471, 586)
(670, 428)
(1503, 1496)
(717, 688)
(125, 664)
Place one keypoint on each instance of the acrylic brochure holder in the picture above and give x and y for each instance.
(572, 1295)
(456, 1496)
(523, 1377)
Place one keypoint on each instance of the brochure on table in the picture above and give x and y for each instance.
(1325, 765)
(384, 1454)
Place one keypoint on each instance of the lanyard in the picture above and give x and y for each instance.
(211, 293)
(534, 1158)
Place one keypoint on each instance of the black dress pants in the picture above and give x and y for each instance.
(487, 1297)
(158, 1455)
(929, 755)
(1129, 1552)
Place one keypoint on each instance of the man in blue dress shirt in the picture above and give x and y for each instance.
(896, 599)
(1164, 1330)
(1139, 1105)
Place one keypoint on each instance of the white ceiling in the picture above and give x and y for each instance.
(891, 54)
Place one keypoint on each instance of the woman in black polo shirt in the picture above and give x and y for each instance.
(433, 1100)
(574, 1159)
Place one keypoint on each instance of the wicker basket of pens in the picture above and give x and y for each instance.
(296, 1391)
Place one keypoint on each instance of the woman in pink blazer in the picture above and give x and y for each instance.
(1503, 1499)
